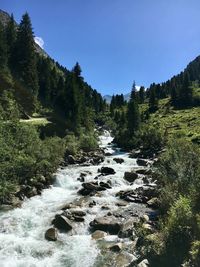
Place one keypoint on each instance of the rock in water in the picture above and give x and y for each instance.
(106, 224)
(142, 162)
(51, 234)
(130, 176)
(98, 234)
(62, 223)
(118, 160)
(107, 170)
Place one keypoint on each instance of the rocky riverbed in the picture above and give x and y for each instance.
(87, 218)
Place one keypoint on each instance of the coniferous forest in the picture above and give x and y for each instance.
(51, 118)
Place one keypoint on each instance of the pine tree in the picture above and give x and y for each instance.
(11, 34)
(3, 49)
(141, 94)
(153, 101)
(133, 114)
(25, 57)
(77, 70)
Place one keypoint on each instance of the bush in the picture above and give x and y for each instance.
(24, 156)
(151, 138)
(88, 142)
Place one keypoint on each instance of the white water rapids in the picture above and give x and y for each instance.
(22, 242)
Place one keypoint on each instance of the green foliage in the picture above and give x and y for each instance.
(72, 144)
(24, 156)
(88, 142)
(151, 138)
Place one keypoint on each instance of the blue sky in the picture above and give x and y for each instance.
(116, 41)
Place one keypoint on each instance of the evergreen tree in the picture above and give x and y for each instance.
(142, 94)
(11, 34)
(25, 56)
(153, 101)
(3, 49)
(77, 70)
(133, 114)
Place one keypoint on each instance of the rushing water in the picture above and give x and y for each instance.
(22, 242)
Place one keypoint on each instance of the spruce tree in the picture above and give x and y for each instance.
(141, 94)
(3, 49)
(25, 56)
(133, 114)
(11, 34)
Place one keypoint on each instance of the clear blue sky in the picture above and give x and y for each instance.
(116, 41)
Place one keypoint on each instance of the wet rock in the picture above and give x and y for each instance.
(130, 176)
(90, 186)
(148, 228)
(98, 234)
(124, 259)
(91, 204)
(85, 192)
(135, 154)
(142, 162)
(144, 263)
(116, 248)
(118, 160)
(105, 208)
(107, 154)
(71, 159)
(51, 234)
(62, 223)
(107, 170)
(79, 213)
(105, 185)
(127, 229)
(144, 171)
(153, 203)
(107, 224)
(78, 219)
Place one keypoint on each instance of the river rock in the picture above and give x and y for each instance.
(106, 185)
(62, 223)
(130, 176)
(144, 171)
(118, 160)
(79, 213)
(90, 186)
(107, 171)
(78, 219)
(98, 235)
(116, 248)
(71, 159)
(153, 203)
(142, 162)
(51, 234)
(107, 224)
(144, 263)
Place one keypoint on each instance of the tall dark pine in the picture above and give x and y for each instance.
(25, 57)
(77, 70)
(142, 94)
(153, 101)
(133, 114)
(11, 34)
(3, 49)
(185, 97)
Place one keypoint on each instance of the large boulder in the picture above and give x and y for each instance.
(142, 162)
(98, 234)
(71, 159)
(51, 234)
(107, 171)
(144, 263)
(106, 224)
(130, 176)
(62, 223)
(118, 160)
